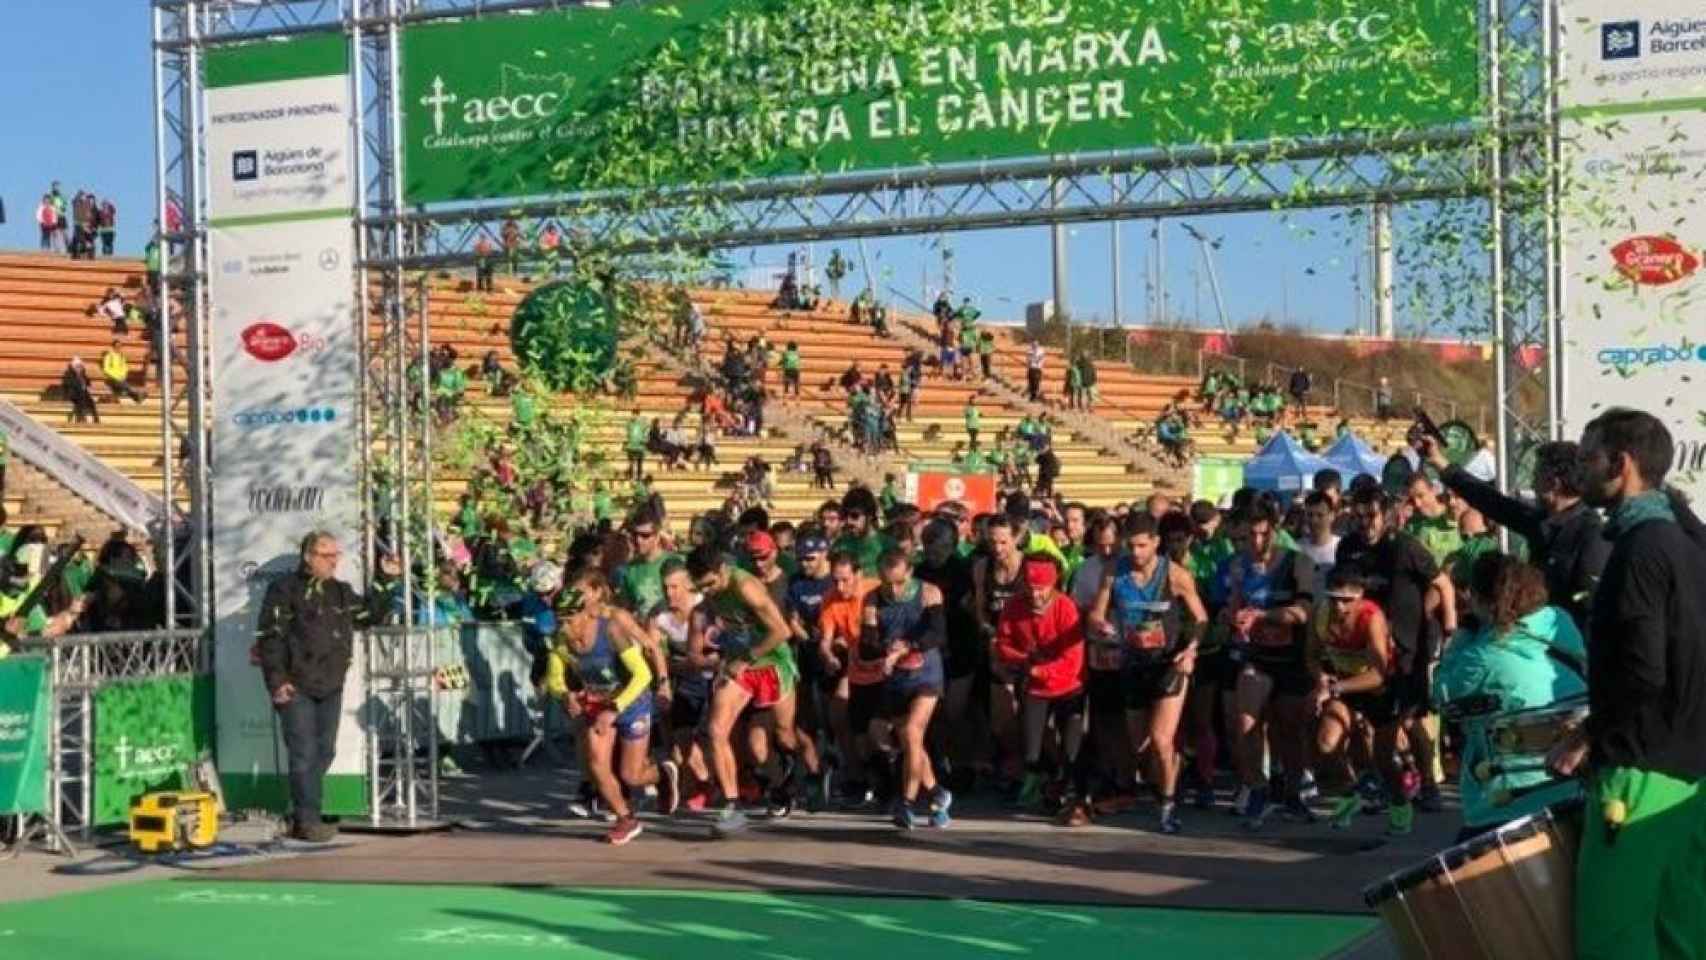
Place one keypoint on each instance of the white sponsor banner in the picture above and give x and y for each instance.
(279, 148)
(285, 378)
(1633, 219)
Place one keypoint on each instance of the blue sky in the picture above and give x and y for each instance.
(82, 115)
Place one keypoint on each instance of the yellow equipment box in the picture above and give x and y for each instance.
(173, 821)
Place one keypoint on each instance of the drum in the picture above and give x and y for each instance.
(1537, 730)
(1508, 893)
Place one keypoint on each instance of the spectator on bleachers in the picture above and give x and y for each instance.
(880, 319)
(1034, 358)
(62, 217)
(788, 294)
(106, 224)
(791, 369)
(1383, 400)
(836, 270)
(1298, 387)
(151, 262)
(79, 392)
(823, 468)
(448, 389)
(47, 218)
(968, 344)
(113, 308)
(852, 377)
(82, 225)
(510, 236)
(115, 367)
(906, 389)
(973, 419)
(498, 380)
(1074, 384)
(483, 265)
(635, 444)
(942, 309)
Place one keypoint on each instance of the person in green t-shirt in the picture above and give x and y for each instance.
(639, 585)
(889, 497)
(859, 534)
(973, 461)
(974, 421)
(635, 445)
(1074, 385)
(467, 518)
(1430, 521)
(523, 408)
(969, 340)
(791, 369)
(986, 353)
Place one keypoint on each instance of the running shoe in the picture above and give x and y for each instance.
(1429, 799)
(730, 821)
(588, 806)
(1345, 812)
(1075, 814)
(1030, 792)
(1307, 791)
(1114, 803)
(1297, 811)
(941, 799)
(1400, 820)
(904, 818)
(1240, 802)
(818, 795)
(779, 803)
(1170, 824)
(1205, 798)
(623, 830)
(1411, 783)
(669, 787)
(1256, 812)
(1373, 795)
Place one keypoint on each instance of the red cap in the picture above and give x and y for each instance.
(760, 544)
(1041, 572)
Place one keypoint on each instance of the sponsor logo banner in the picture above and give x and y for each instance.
(285, 440)
(508, 106)
(1633, 220)
(147, 732)
(24, 722)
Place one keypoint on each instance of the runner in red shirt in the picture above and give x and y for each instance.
(1040, 639)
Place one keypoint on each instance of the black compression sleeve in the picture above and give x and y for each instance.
(935, 629)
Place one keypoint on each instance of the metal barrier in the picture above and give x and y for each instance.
(80, 665)
(400, 667)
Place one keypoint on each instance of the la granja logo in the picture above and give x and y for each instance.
(268, 342)
(1653, 261)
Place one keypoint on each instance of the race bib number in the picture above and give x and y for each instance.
(1105, 656)
(1148, 638)
(1265, 634)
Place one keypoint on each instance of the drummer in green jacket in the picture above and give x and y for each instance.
(1526, 655)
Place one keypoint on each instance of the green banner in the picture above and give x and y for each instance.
(666, 93)
(24, 720)
(1216, 478)
(147, 732)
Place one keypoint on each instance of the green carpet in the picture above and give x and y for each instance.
(198, 920)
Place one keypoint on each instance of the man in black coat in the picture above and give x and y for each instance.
(1641, 870)
(304, 641)
(1564, 534)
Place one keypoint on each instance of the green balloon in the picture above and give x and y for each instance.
(566, 334)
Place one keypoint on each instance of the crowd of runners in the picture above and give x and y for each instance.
(1071, 661)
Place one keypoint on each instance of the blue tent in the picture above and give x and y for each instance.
(1283, 466)
(1352, 456)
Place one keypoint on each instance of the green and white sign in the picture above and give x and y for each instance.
(1216, 478)
(666, 93)
(1633, 218)
(283, 352)
(24, 721)
(147, 732)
